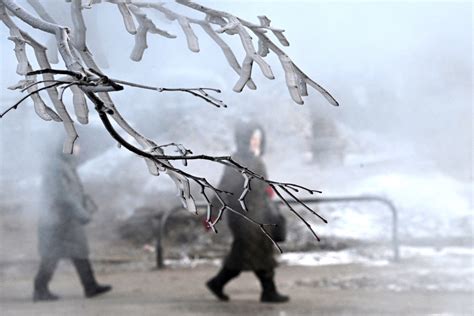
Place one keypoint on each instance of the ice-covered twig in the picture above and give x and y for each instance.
(234, 26)
(296, 80)
(30, 94)
(197, 92)
(79, 26)
(192, 40)
(44, 111)
(294, 211)
(145, 25)
(127, 18)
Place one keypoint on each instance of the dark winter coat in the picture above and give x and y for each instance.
(65, 211)
(251, 249)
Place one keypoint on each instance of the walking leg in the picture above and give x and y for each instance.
(42, 279)
(217, 283)
(86, 275)
(269, 291)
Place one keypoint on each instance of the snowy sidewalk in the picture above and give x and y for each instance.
(180, 291)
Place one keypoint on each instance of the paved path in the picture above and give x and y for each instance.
(181, 292)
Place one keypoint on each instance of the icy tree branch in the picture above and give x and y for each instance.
(87, 81)
(296, 80)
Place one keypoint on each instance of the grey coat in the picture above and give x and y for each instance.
(66, 209)
(251, 249)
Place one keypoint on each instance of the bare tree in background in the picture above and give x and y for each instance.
(88, 82)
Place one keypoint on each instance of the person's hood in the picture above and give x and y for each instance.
(243, 134)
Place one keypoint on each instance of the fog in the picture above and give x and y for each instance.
(401, 71)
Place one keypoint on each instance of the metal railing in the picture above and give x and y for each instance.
(364, 198)
(159, 222)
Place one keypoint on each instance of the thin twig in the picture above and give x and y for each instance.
(65, 87)
(14, 107)
(295, 212)
(40, 82)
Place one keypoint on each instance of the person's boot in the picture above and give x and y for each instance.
(98, 289)
(217, 289)
(217, 283)
(45, 272)
(43, 294)
(273, 297)
(269, 291)
(86, 275)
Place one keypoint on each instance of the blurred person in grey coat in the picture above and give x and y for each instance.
(66, 209)
(251, 250)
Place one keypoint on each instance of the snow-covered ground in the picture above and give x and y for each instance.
(376, 258)
(420, 268)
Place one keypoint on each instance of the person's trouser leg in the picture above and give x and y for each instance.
(43, 277)
(269, 291)
(86, 275)
(217, 283)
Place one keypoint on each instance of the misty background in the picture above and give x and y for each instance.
(401, 71)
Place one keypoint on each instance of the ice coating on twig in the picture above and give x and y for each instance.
(127, 18)
(145, 25)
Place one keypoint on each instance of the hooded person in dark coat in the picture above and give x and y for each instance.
(251, 250)
(61, 234)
